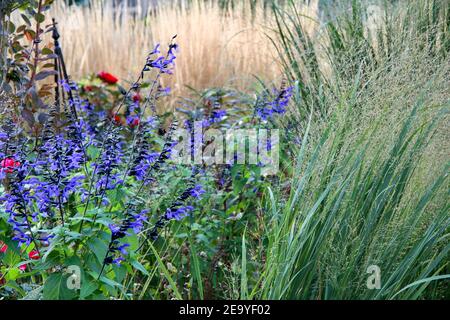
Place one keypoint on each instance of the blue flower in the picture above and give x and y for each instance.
(164, 64)
(122, 248)
(17, 203)
(65, 85)
(178, 210)
(197, 191)
(106, 167)
(178, 213)
(143, 156)
(266, 105)
(133, 221)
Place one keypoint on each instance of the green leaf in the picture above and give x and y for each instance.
(51, 259)
(166, 272)
(93, 152)
(87, 288)
(47, 51)
(139, 266)
(244, 286)
(44, 74)
(119, 195)
(421, 281)
(133, 240)
(92, 263)
(105, 280)
(11, 258)
(12, 274)
(99, 248)
(11, 27)
(55, 288)
(25, 18)
(120, 272)
(196, 265)
(39, 17)
(181, 235)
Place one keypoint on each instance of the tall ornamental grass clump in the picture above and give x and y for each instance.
(346, 212)
(369, 186)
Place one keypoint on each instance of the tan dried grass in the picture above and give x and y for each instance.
(217, 48)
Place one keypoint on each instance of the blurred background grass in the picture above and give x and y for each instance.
(221, 44)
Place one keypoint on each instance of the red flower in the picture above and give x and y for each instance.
(23, 267)
(137, 97)
(3, 247)
(107, 77)
(117, 119)
(33, 255)
(134, 122)
(88, 88)
(8, 165)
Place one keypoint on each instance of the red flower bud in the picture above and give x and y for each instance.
(88, 88)
(134, 122)
(22, 267)
(137, 97)
(117, 119)
(8, 165)
(3, 247)
(107, 77)
(33, 255)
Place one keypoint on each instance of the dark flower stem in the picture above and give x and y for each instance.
(36, 42)
(150, 100)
